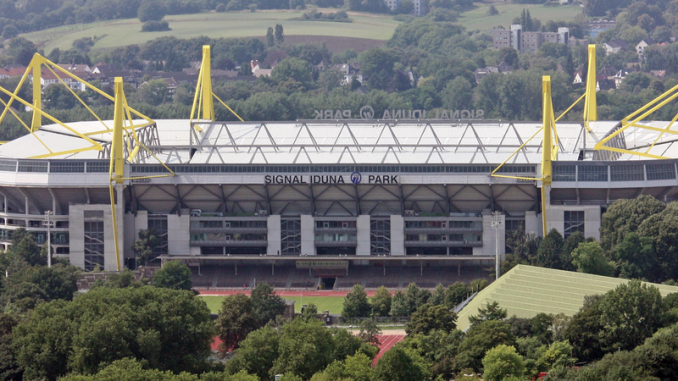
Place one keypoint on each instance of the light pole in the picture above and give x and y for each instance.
(48, 222)
(496, 223)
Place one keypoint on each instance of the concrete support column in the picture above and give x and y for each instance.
(179, 233)
(363, 237)
(307, 235)
(273, 237)
(397, 235)
(490, 235)
(120, 220)
(533, 224)
(134, 224)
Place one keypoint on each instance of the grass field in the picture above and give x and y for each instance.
(478, 18)
(238, 24)
(324, 303)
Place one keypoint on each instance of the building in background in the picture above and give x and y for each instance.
(527, 42)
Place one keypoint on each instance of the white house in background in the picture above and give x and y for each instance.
(640, 48)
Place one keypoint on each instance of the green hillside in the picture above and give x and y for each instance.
(214, 25)
(479, 19)
(526, 291)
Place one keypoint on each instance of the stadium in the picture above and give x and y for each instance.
(331, 201)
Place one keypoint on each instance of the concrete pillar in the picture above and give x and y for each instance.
(120, 220)
(397, 235)
(179, 233)
(592, 220)
(363, 225)
(307, 235)
(273, 237)
(533, 224)
(76, 235)
(130, 235)
(490, 235)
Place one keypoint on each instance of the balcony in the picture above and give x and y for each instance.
(258, 243)
(443, 243)
(432, 230)
(336, 244)
(229, 230)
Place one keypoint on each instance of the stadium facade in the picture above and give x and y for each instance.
(357, 190)
(323, 194)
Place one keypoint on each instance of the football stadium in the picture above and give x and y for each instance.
(414, 196)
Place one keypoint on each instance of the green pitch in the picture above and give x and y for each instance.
(231, 24)
(332, 303)
(479, 19)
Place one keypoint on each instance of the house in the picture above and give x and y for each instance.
(615, 46)
(257, 71)
(351, 71)
(482, 72)
(12, 72)
(658, 73)
(640, 48)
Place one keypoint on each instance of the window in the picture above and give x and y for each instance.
(661, 172)
(159, 224)
(290, 237)
(574, 222)
(564, 173)
(67, 166)
(94, 239)
(380, 237)
(592, 173)
(627, 173)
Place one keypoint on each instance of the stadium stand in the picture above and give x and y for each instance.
(526, 291)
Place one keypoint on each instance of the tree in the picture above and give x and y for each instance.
(550, 250)
(662, 228)
(399, 306)
(381, 302)
(415, 297)
(270, 38)
(399, 364)
(292, 68)
(625, 216)
(310, 312)
(151, 10)
(508, 55)
(630, 313)
(144, 246)
(492, 311)
(24, 248)
(492, 11)
(558, 355)
(236, 320)
(108, 324)
(583, 331)
(256, 353)
(458, 94)
(279, 34)
(456, 293)
(429, 317)
(267, 304)
(369, 332)
(305, 348)
(9, 31)
(502, 361)
(590, 258)
(154, 92)
(635, 257)
(439, 295)
(356, 303)
(377, 65)
(173, 275)
(481, 338)
(9, 368)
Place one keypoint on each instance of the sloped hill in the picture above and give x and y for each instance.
(526, 291)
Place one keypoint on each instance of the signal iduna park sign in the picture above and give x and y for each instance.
(367, 112)
(355, 178)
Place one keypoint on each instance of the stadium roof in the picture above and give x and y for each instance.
(342, 142)
(526, 291)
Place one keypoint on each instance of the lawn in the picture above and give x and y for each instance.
(324, 303)
(232, 24)
(479, 19)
